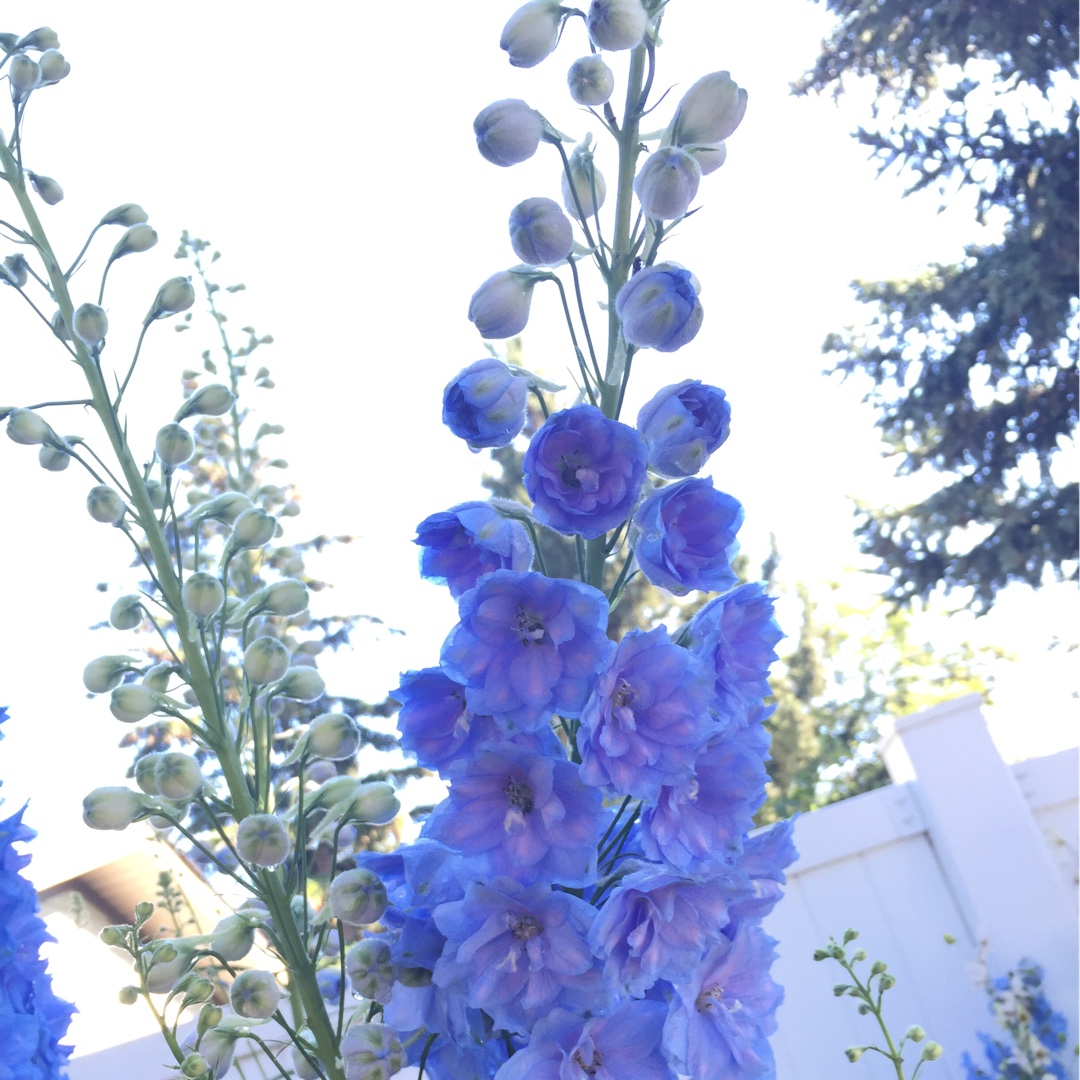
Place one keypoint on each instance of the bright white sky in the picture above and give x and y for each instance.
(328, 153)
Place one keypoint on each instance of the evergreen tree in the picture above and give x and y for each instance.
(974, 365)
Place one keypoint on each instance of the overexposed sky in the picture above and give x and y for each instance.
(328, 153)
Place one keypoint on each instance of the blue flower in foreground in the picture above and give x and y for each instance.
(583, 471)
(659, 308)
(622, 1046)
(648, 717)
(33, 1019)
(686, 537)
(519, 952)
(469, 540)
(765, 857)
(721, 1018)
(529, 814)
(682, 426)
(484, 404)
(527, 646)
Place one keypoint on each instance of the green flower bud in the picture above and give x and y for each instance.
(194, 1066)
(357, 897)
(106, 672)
(233, 938)
(114, 936)
(853, 1053)
(105, 505)
(590, 80)
(857, 955)
(301, 684)
(262, 840)
(24, 75)
(265, 661)
(157, 678)
(850, 935)
(225, 508)
(90, 325)
(143, 910)
(132, 703)
(53, 457)
(136, 239)
(49, 191)
(255, 994)
(932, 1051)
(198, 991)
(371, 1052)
(168, 965)
(376, 804)
(26, 427)
(176, 295)
(111, 808)
(127, 612)
(156, 490)
(949, 939)
(53, 66)
(334, 736)
(174, 445)
(915, 1033)
(209, 1016)
(178, 775)
(203, 595)
(128, 995)
(886, 982)
(287, 597)
(42, 38)
(212, 400)
(128, 213)
(146, 773)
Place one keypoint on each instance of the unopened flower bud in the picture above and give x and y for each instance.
(709, 111)
(508, 132)
(540, 233)
(176, 295)
(132, 703)
(53, 66)
(590, 80)
(225, 508)
(113, 936)
(203, 595)
(376, 804)
(372, 1052)
(42, 38)
(265, 661)
(500, 307)
(853, 1053)
(616, 24)
(27, 427)
(47, 188)
(212, 400)
(255, 994)
(111, 808)
(143, 910)
(53, 457)
(128, 995)
(198, 991)
(105, 505)
(262, 840)
(90, 325)
(584, 191)
(233, 938)
(126, 613)
(286, 597)
(915, 1033)
(667, 183)
(357, 897)
(709, 157)
(209, 1017)
(370, 969)
(932, 1051)
(174, 445)
(301, 684)
(146, 773)
(301, 1066)
(14, 271)
(138, 238)
(155, 491)
(334, 736)
(659, 308)
(194, 1066)
(24, 75)
(105, 672)
(128, 213)
(178, 775)
(168, 965)
(252, 529)
(532, 32)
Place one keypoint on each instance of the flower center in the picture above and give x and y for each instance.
(526, 928)
(530, 627)
(577, 473)
(592, 1067)
(520, 795)
(623, 696)
(708, 997)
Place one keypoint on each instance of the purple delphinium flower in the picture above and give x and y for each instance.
(720, 1018)
(540, 233)
(484, 404)
(529, 814)
(527, 646)
(765, 857)
(518, 952)
(686, 537)
(658, 925)
(625, 1045)
(697, 826)
(508, 131)
(500, 306)
(583, 471)
(648, 717)
(667, 183)
(682, 426)
(659, 308)
(735, 635)
(469, 540)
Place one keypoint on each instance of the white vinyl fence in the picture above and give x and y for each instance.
(959, 843)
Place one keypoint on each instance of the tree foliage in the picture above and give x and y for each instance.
(973, 366)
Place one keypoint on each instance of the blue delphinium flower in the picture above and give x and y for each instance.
(500, 306)
(527, 646)
(484, 404)
(686, 537)
(518, 952)
(33, 1019)
(625, 1045)
(508, 132)
(682, 426)
(583, 471)
(721, 1018)
(529, 814)
(469, 540)
(735, 635)
(648, 717)
(659, 308)
(765, 857)
(540, 233)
